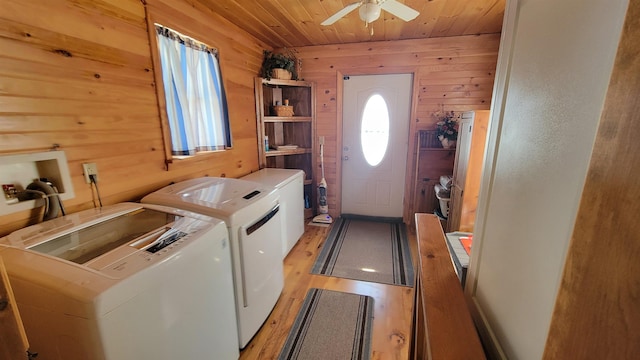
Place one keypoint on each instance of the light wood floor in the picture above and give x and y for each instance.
(392, 312)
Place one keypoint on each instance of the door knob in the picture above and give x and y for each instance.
(345, 158)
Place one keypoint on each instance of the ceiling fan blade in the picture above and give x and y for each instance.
(398, 9)
(337, 16)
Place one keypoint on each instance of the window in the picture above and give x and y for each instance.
(194, 93)
(374, 129)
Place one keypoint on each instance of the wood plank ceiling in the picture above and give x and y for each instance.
(294, 23)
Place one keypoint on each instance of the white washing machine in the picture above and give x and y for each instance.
(289, 184)
(251, 212)
(125, 282)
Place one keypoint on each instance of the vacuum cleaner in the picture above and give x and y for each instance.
(323, 216)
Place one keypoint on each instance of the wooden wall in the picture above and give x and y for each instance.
(454, 73)
(79, 74)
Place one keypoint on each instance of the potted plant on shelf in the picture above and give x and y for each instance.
(447, 130)
(279, 66)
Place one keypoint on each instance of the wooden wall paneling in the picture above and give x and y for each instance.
(61, 73)
(161, 101)
(86, 152)
(435, 46)
(25, 142)
(61, 107)
(465, 64)
(41, 88)
(80, 74)
(110, 58)
(596, 313)
(82, 21)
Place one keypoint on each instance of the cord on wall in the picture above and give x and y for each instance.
(94, 183)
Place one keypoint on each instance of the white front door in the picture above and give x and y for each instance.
(375, 139)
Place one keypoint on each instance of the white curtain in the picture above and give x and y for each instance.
(196, 101)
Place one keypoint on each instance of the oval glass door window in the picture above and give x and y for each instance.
(374, 129)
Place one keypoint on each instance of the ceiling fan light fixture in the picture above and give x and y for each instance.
(369, 12)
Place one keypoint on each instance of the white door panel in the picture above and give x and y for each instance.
(375, 190)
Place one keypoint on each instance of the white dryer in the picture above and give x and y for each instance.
(125, 282)
(251, 212)
(289, 184)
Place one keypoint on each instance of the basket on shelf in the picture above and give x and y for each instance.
(283, 110)
(281, 74)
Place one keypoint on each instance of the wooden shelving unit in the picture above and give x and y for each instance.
(432, 161)
(291, 131)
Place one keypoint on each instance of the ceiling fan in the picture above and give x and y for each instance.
(370, 11)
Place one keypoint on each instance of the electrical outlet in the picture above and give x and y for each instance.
(90, 169)
(321, 138)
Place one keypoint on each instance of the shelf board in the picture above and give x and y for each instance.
(268, 119)
(437, 149)
(298, 83)
(273, 152)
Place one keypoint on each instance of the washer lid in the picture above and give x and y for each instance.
(277, 178)
(88, 235)
(218, 197)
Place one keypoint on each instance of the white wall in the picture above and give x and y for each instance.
(554, 74)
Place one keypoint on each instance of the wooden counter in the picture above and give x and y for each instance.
(443, 327)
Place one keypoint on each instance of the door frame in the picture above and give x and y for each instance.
(409, 174)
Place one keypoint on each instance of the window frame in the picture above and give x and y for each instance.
(171, 160)
(374, 118)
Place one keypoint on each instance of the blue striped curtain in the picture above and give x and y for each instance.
(195, 96)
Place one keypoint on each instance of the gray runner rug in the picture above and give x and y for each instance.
(331, 325)
(362, 249)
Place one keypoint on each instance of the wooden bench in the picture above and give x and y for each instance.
(442, 325)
